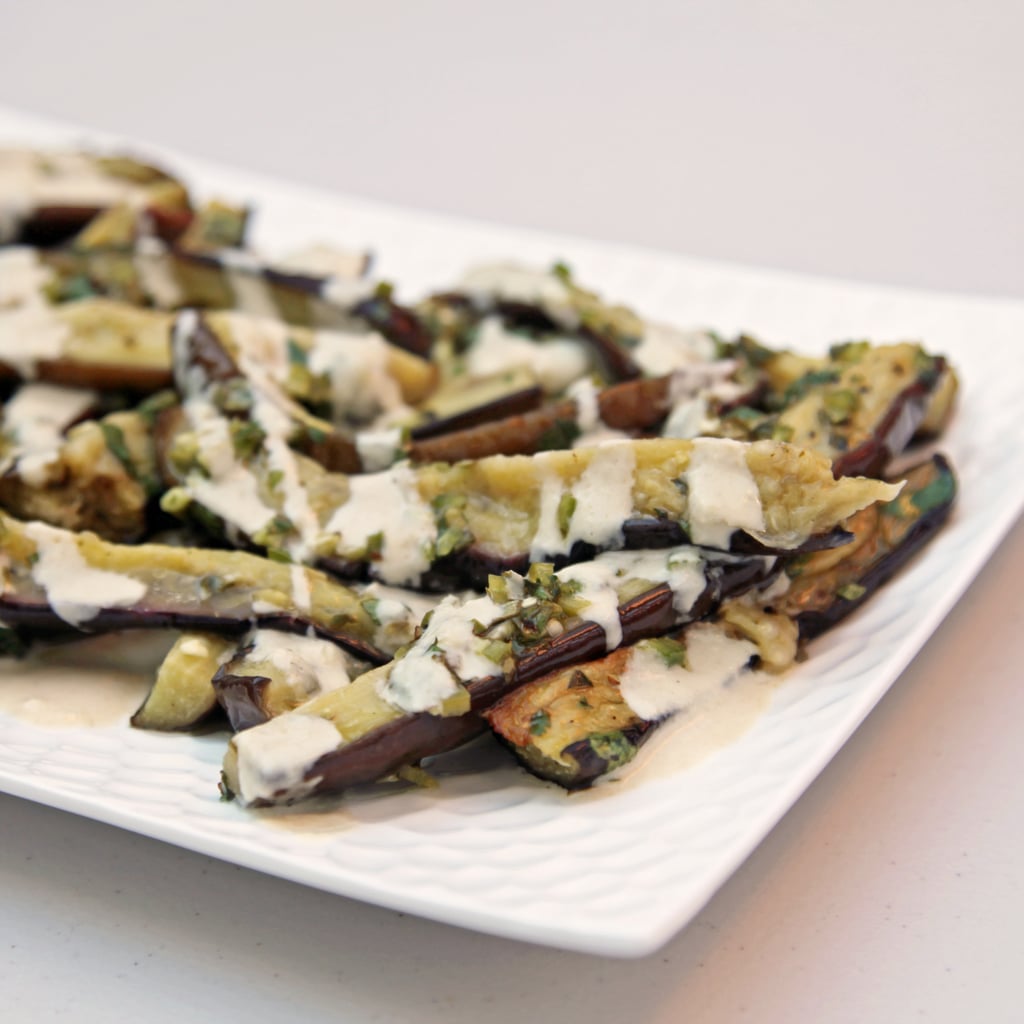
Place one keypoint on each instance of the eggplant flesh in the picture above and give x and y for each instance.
(182, 695)
(154, 586)
(573, 727)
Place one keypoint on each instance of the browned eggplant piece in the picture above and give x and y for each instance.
(469, 655)
(102, 477)
(299, 361)
(182, 696)
(826, 587)
(553, 426)
(634, 407)
(861, 406)
(540, 303)
(94, 343)
(109, 261)
(460, 405)
(49, 197)
(58, 582)
(272, 672)
(576, 725)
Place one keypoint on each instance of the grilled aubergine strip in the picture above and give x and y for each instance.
(860, 406)
(48, 197)
(573, 726)
(270, 673)
(102, 476)
(468, 655)
(58, 582)
(182, 695)
(439, 524)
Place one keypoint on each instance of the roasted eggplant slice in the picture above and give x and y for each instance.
(182, 696)
(94, 343)
(589, 416)
(102, 476)
(573, 726)
(55, 581)
(825, 587)
(468, 655)
(860, 406)
(272, 672)
(48, 197)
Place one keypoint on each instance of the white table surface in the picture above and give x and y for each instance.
(881, 141)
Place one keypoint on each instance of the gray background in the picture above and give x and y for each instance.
(880, 141)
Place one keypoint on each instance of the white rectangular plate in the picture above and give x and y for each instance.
(620, 870)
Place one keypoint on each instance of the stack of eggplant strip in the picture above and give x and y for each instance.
(283, 402)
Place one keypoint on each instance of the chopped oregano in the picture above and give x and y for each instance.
(566, 509)
(672, 652)
(540, 722)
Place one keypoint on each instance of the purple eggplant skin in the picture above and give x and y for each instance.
(241, 697)
(33, 619)
(493, 413)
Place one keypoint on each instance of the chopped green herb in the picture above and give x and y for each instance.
(113, 438)
(851, 591)
(540, 722)
(940, 491)
(841, 405)
(297, 355)
(566, 508)
(613, 748)
(559, 435)
(673, 652)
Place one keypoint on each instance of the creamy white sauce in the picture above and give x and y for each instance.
(681, 568)
(603, 495)
(275, 756)
(508, 282)
(555, 362)
(156, 273)
(74, 589)
(358, 368)
(23, 278)
(324, 261)
(663, 349)
(249, 288)
(309, 664)
(231, 491)
(379, 449)
(690, 391)
(29, 335)
(395, 604)
(722, 492)
(451, 648)
(70, 696)
(35, 420)
(446, 653)
(301, 594)
(584, 392)
(390, 504)
(713, 659)
(346, 292)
